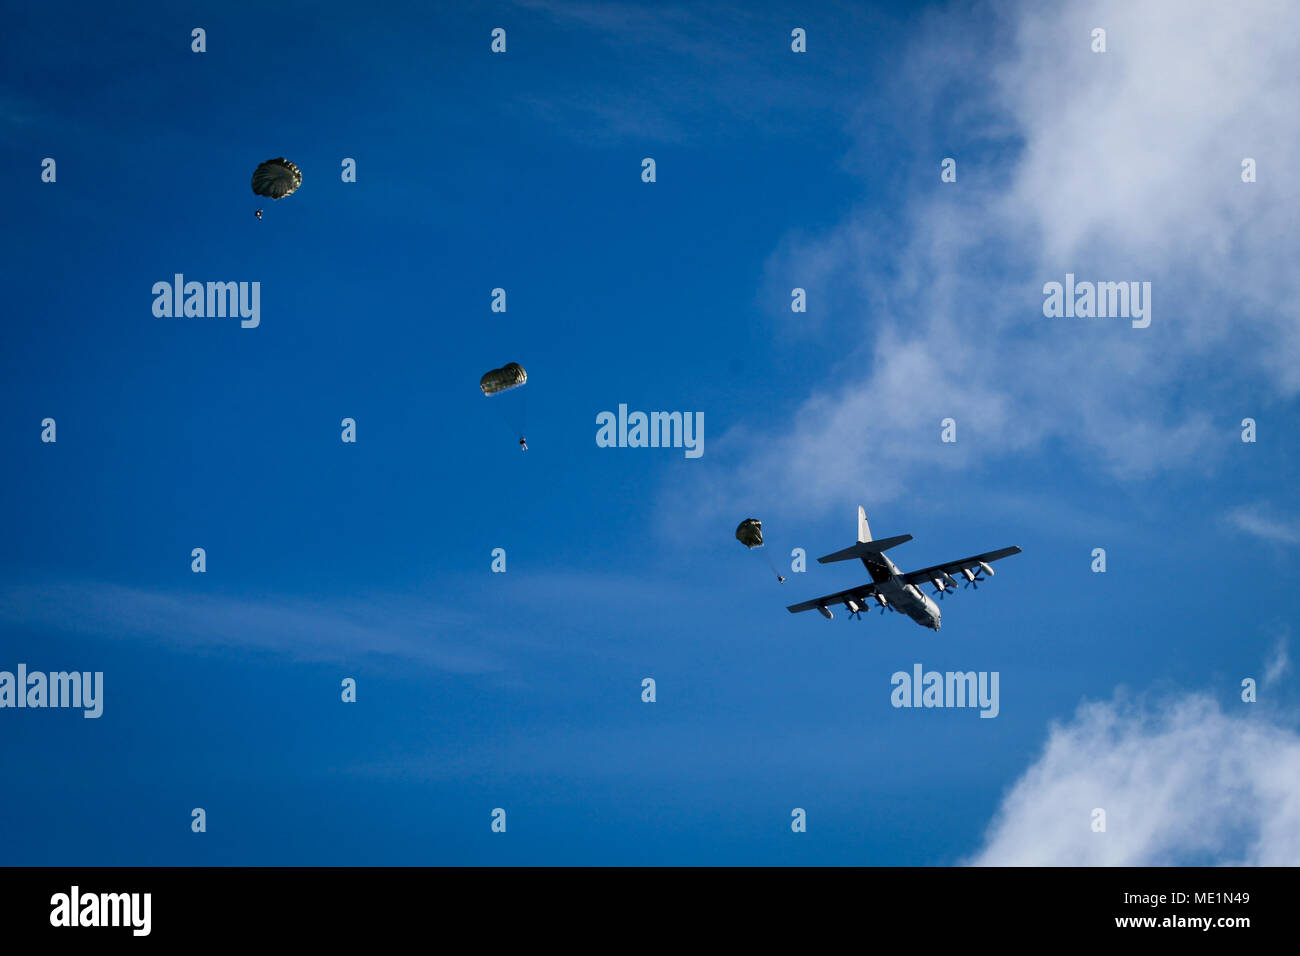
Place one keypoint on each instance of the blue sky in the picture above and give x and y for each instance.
(522, 690)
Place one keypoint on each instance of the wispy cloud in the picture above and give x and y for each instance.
(1279, 663)
(1180, 781)
(684, 73)
(340, 630)
(1254, 520)
(1103, 168)
(446, 630)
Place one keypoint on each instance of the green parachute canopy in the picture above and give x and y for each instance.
(750, 533)
(500, 379)
(276, 178)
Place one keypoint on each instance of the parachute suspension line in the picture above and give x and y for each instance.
(519, 416)
(505, 419)
(775, 573)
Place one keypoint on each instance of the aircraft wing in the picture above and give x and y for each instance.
(954, 568)
(862, 593)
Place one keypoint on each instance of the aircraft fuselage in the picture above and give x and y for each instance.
(906, 598)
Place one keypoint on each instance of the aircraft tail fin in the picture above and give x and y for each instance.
(864, 529)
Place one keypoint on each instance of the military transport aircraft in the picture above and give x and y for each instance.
(892, 588)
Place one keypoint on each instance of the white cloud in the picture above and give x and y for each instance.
(1279, 663)
(1127, 168)
(1182, 782)
(341, 630)
(454, 634)
(1255, 521)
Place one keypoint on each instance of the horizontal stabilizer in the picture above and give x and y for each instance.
(863, 548)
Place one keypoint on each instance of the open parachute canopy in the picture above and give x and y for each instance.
(276, 178)
(750, 533)
(500, 379)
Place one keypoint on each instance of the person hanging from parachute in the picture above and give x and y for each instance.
(497, 380)
(750, 533)
(276, 178)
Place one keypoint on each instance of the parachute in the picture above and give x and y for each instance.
(276, 178)
(511, 408)
(750, 533)
(500, 379)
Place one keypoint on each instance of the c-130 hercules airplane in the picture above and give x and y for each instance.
(892, 588)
